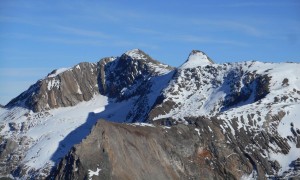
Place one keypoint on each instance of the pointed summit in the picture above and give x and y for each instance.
(136, 54)
(196, 58)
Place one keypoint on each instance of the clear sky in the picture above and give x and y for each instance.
(39, 36)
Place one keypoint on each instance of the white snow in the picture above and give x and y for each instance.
(78, 89)
(198, 131)
(58, 71)
(284, 129)
(135, 54)
(64, 127)
(53, 83)
(196, 59)
(142, 124)
(53, 134)
(293, 117)
(93, 173)
(252, 176)
(285, 159)
(208, 100)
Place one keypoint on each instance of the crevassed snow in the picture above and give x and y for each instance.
(58, 71)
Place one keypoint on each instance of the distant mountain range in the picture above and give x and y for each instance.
(201, 120)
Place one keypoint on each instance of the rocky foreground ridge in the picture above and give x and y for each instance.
(201, 120)
(139, 151)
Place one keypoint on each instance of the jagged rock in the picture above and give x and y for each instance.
(123, 151)
(8, 149)
(200, 150)
(68, 87)
(231, 120)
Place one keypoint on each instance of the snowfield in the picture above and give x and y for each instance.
(47, 130)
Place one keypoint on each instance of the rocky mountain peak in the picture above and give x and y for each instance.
(196, 58)
(136, 54)
(222, 121)
(57, 71)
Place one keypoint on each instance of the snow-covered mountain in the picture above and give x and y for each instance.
(244, 114)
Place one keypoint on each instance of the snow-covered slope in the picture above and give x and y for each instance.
(196, 58)
(47, 135)
(127, 87)
(254, 104)
(252, 97)
(223, 88)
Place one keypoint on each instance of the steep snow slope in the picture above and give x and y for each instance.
(47, 132)
(196, 58)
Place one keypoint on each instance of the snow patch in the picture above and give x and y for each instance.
(285, 159)
(93, 173)
(252, 176)
(135, 54)
(142, 124)
(198, 131)
(53, 83)
(78, 89)
(195, 59)
(51, 128)
(58, 71)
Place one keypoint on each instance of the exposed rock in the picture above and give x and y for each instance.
(8, 155)
(125, 151)
(201, 150)
(68, 87)
(212, 121)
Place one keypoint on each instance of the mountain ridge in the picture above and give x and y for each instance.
(253, 105)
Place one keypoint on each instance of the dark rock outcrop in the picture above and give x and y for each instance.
(110, 76)
(67, 88)
(200, 150)
(123, 151)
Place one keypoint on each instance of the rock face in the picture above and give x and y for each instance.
(208, 121)
(201, 150)
(63, 89)
(132, 68)
(69, 86)
(123, 151)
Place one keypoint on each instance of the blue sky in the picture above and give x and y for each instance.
(39, 36)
